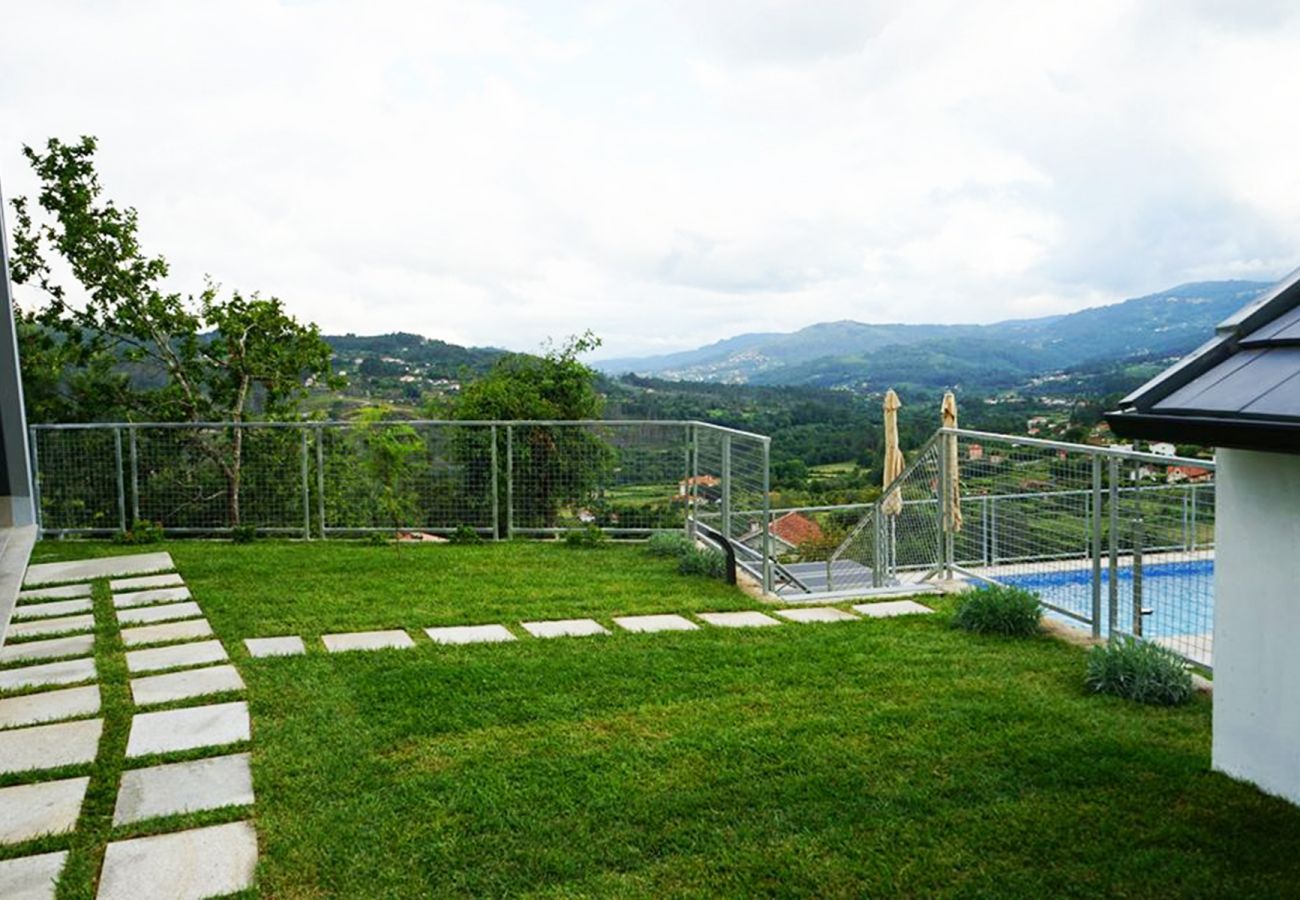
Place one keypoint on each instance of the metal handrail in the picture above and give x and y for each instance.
(1081, 448)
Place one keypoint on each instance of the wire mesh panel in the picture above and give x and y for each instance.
(79, 479)
(209, 478)
(626, 478)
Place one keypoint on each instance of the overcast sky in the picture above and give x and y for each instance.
(670, 173)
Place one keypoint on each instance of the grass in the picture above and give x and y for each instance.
(881, 757)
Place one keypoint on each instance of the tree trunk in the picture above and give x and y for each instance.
(233, 475)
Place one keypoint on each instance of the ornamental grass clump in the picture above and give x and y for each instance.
(997, 609)
(668, 544)
(1147, 673)
(697, 561)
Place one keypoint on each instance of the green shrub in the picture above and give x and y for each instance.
(140, 532)
(999, 610)
(587, 537)
(243, 534)
(378, 538)
(465, 534)
(668, 544)
(1147, 673)
(702, 562)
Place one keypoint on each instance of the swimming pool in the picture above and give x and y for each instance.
(1180, 596)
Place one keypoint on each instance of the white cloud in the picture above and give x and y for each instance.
(495, 173)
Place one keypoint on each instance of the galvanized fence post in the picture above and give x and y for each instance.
(36, 481)
(688, 430)
(121, 479)
(726, 485)
(767, 516)
(1096, 546)
(1138, 539)
(993, 531)
(496, 489)
(320, 480)
(693, 485)
(945, 499)
(306, 489)
(1112, 569)
(135, 474)
(510, 482)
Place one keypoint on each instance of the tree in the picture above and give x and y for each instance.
(554, 466)
(159, 355)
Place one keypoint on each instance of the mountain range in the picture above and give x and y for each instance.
(861, 356)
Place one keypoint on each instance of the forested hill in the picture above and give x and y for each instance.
(401, 353)
(867, 357)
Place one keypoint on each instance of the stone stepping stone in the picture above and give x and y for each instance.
(55, 593)
(189, 630)
(50, 706)
(104, 567)
(48, 610)
(193, 654)
(188, 729)
(470, 634)
(49, 746)
(50, 649)
(185, 684)
(186, 787)
(649, 624)
(67, 672)
(891, 608)
(59, 625)
(367, 640)
(32, 877)
(291, 645)
(146, 582)
(808, 614)
(183, 865)
(47, 807)
(147, 598)
(743, 619)
(167, 612)
(555, 628)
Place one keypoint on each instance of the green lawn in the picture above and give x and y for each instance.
(872, 758)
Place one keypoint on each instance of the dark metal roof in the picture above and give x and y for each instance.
(1239, 389)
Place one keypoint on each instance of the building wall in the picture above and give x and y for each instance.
(1257, 620)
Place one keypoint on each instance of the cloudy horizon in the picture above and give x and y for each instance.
(670, 174)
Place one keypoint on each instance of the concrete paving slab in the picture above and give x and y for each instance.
(47, 649)
(177, 788)
(167, 632)
(187, 729)
(146, 582)
(185, 684)
(290, 645)
(32, 877)
(807, 614)
(891, 608)
(649, 624)
(57, 625)
(183, 865)
(104, 567)
(149, 597)
(64, 592)
(164, 612)
(52, 609)
(367, 640)
(50, 706)
(47, 807)
(743, 619)
(154, 659)
(68, 671)
(49, 746)
(555, 628)
(470, 634)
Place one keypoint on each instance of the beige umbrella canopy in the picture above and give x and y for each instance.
(953, 520)
(894, 465)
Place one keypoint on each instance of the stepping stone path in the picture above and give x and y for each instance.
(891, 608)
(367, 640)
(31, 877)
(742, 619)
(275, 646)
(816, 614)
(470, 634)
(564, 628)
(42, 729)
(655, 623)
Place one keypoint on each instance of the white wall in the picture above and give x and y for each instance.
(1257, 620)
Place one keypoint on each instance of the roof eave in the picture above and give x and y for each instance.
(1266, 435)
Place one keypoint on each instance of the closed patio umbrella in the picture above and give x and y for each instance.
(893, 504)
(953, 520)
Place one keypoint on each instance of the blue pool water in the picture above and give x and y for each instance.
(1180, 596)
